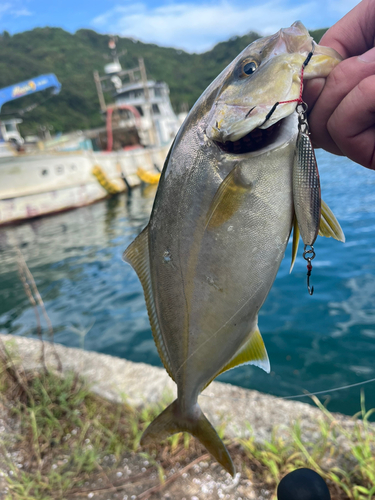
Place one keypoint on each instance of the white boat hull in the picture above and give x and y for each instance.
(32, 185)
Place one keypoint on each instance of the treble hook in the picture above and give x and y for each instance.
(309, 266)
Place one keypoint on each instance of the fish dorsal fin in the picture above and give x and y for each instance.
(252, 352)
(227, 199)
(137, 255)
(295, 242)
(329, 225)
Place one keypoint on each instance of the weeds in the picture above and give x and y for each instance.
(64, 436)
(64, 432)
(344, 457)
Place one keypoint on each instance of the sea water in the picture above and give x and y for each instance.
(95, 301)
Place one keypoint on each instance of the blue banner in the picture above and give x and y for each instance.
(27, 87)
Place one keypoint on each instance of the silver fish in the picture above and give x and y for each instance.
(220, 224)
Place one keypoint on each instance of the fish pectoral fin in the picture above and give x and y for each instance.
(296, 235)
(137, 255)
(172, 420)
(329, 225)
(227, 199)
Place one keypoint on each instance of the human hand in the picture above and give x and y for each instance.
(342, 106)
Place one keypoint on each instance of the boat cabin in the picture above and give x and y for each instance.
(147, 100)
(155, 109)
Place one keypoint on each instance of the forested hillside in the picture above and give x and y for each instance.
(74, 57)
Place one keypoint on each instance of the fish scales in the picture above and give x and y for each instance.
(220, 225)
(213, 311)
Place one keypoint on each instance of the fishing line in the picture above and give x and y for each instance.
(306, 394)
(330, 390)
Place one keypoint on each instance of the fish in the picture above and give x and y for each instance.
(220, 224)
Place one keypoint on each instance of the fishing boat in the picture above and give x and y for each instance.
(39, 177)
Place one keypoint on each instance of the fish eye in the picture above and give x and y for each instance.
(249, 67)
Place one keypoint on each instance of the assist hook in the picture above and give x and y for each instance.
(310, 256)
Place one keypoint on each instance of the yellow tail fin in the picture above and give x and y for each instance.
(172, 420)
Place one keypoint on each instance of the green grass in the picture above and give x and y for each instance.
(64, 431)
(344, 458)
(63, 434)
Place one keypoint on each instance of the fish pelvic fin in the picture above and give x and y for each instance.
(137, 255)
(329, 225)
(172, 420)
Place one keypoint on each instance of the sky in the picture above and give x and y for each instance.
(191, 25)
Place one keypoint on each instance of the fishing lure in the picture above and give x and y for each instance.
(306, 190)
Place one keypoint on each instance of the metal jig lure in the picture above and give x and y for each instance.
(306, 190)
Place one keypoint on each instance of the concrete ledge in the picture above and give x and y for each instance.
(114, 378)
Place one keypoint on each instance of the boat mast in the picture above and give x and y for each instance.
(97, 79)
(142, 69)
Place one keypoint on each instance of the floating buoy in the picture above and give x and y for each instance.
(103, 180)
(148, 177)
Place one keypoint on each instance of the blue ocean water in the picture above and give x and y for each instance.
(95, 300)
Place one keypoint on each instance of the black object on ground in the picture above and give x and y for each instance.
(303, 484)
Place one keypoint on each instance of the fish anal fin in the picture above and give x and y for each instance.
(137, 255)
(329, 225)
(252, 352)
(172, 420)
(296, 235)
(227, 199)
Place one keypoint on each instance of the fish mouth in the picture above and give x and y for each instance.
(256, 140)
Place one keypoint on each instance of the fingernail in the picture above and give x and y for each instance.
(368, 56)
